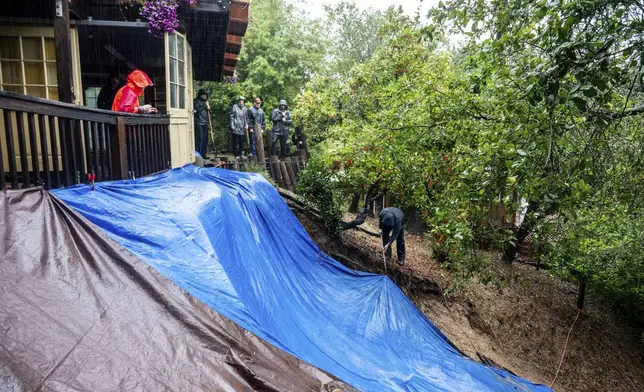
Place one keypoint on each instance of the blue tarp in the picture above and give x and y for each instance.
(229, 239)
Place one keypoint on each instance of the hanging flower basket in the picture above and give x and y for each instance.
(162, 15)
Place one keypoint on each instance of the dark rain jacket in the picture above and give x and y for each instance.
(238, 119)
(201, 111)
(256, 116)
(391, 218)
(281, 127)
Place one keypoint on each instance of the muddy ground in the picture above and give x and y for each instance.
(520, 326)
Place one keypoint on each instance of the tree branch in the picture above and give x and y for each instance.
(417, 126)
(624, 113)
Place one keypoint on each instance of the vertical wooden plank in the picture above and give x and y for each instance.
(10, 148)
(259, 144)
(64, 128)
(287, 180)
(136, 151)
(110, 133)
(290, 171)
(2, 179)
(138, 131)
(130, 157)
(54, 152)
(147, 150)
(153, 157)
(277, 171)
(33, 143)
(103, 148)
(161, 135)
(145, 169)
(154, 138)
(22, 145)
(63, 50)
(156, 149)
(131, 152)
(144, 150)
(96, 149)
(77, 152)
(87, 135)
(119, 151)
(43, 152)
(150, 148)
(167, 157)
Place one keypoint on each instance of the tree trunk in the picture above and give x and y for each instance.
(353, 208)
(582, 293)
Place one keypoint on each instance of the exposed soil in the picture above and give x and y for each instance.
(521, 326)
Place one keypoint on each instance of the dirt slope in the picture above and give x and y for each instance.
(521, 327)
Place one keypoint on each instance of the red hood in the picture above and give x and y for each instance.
(138, 81)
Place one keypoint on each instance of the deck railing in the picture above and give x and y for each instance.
(54, 145)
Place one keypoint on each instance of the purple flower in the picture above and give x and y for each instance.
(162, 15)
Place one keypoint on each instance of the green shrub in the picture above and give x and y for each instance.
(316, 186)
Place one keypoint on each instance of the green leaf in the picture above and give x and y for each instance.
(580, 103)
(590, 92)
(599, 83)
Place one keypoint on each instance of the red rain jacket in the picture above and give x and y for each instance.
(127, 98)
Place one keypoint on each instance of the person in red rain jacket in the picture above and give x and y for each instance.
(127, 98)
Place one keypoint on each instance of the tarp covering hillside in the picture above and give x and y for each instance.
(80, 313)
(230, 240)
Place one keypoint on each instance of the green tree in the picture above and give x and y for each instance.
(353, 33)
(535, 106)
(569, 77)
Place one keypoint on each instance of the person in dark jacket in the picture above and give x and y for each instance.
(238, 125)
(256, 123)
(391, 219)
(281, 121)
(107, 93)
(201, 107)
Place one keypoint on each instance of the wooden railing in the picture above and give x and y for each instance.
(54, 145)
(285, 171)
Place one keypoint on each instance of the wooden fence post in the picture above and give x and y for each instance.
(63, 51)
(290, 171)
(277, 172)
(119, 148)
(296, 165)
(259, 144)
(287, 180)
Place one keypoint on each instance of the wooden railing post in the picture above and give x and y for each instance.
(119, 148)
(63, 51)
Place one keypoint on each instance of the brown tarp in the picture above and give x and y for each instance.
(80, 313)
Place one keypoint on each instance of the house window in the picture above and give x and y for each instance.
(91, 96)
(177, 55)
(28, 66)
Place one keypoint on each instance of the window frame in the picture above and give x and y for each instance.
(179, 60)
(50, 89)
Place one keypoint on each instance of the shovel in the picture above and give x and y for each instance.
(384, 258)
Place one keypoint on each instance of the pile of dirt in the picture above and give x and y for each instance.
(521, 326)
